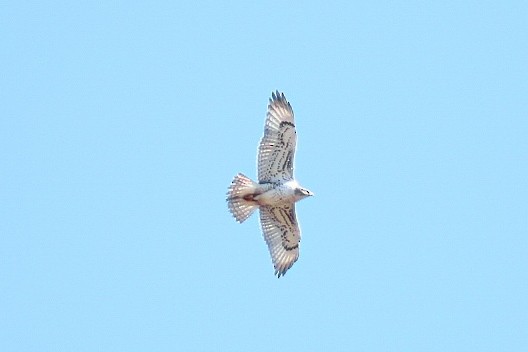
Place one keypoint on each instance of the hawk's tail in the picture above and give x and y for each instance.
(240, 197)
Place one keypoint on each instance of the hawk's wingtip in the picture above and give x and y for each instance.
(280, 273)
(276, 95)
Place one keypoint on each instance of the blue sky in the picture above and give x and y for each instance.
(123, 123)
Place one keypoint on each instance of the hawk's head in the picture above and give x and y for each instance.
(301, 193)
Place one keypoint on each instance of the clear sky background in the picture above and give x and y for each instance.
(123, 123)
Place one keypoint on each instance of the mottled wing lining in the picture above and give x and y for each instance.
(282, 234)
(277, 147)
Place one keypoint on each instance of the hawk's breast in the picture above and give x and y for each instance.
(281, 194)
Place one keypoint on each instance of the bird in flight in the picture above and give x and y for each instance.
(277, 190)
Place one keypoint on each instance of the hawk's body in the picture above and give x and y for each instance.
(277, 191)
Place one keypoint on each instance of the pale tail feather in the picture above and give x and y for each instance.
(239, 196)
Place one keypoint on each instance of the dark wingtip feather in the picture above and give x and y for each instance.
(277, 96)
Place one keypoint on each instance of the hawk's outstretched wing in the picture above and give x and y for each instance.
(282, 234)
(277, 147)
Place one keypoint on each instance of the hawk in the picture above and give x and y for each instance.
(277, 190)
